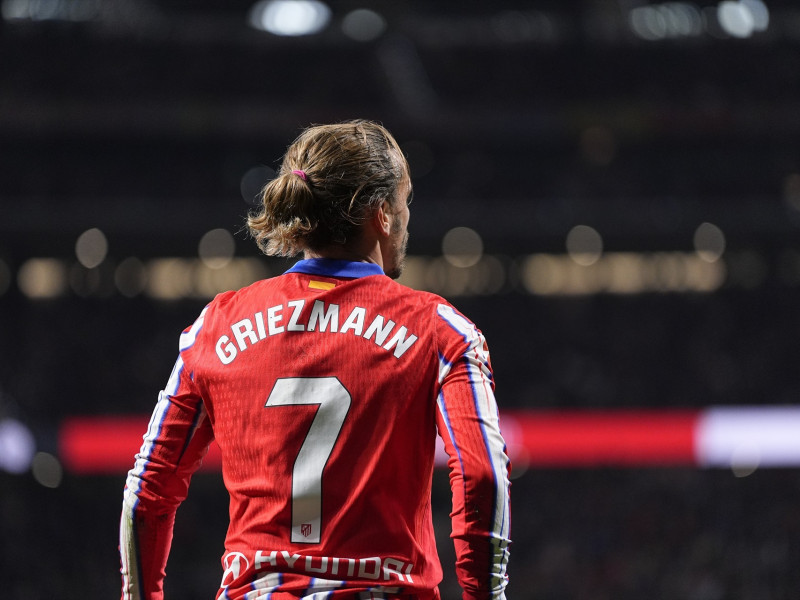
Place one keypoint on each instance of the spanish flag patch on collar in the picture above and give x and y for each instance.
(321, 285)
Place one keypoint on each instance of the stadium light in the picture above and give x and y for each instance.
(289, 17)
(17, 446)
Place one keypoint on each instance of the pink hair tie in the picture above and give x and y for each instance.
(300, 174)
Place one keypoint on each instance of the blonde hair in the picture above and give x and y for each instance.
(332, 178)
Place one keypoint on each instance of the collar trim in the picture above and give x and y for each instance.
(335, 268)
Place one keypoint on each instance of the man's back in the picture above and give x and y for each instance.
(321, 389)
(325, 415)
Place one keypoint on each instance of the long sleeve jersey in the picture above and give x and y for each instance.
(325, 388)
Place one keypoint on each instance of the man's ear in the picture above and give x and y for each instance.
(383, 219)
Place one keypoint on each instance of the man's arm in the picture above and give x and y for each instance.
(176, 441)
(467, 419)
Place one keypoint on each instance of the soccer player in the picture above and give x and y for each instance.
(325, 388)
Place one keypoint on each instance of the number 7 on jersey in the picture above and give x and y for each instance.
(334, 403)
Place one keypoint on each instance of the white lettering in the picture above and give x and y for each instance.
(392, 566)
(373, 567)
(351, 566)
(271, 560)
(325, 317)
(228, 352)
(323, 567)
(377, 329)
(241, 330)
(403, 344)
(355, 321)
(298, 307)
(286, 557)
(362, 567)
(260, 325)
(272, 319)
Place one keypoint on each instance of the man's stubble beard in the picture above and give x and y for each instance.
(399, 256)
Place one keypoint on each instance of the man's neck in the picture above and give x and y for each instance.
(363, 252)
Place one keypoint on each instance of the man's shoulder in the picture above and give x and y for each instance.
(249, 292)
(410, 294)
(233, 302)
(437, 310)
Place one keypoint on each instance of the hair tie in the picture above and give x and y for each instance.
(300, 173)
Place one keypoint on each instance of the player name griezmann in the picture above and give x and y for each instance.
(322, 317)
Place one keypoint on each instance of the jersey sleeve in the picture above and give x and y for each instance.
(467, 419)
(174, 445)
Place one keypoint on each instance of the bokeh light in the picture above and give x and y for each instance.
(169, 278)
(51, 10)
(584, 245)
(47, 470)
(670, 20)
(42, 278)
(735, 18)
(176, 278)
(216, 248)
(542, 275)
(709, 242)
(758, 12)
(91, 248)
(666, 21)
(621, 273)
(289, 17)
(363, 25)
(208, 281)
(130, 277)
(462, 247)
(17, 446)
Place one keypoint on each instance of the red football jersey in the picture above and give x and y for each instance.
(325, 388)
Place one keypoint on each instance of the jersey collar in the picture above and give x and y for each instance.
(335, 268)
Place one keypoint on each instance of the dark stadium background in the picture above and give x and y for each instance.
(635, 121)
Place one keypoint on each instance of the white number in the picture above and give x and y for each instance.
(334, 402)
